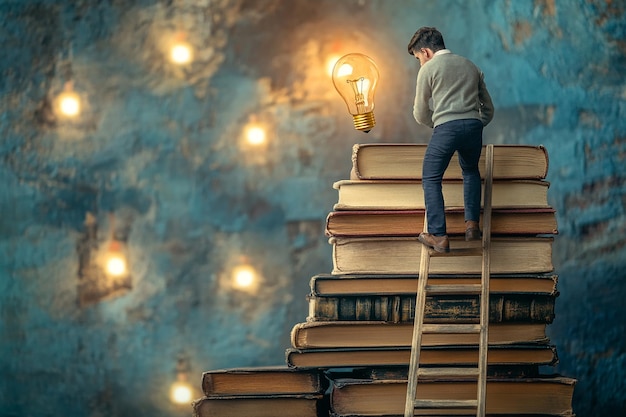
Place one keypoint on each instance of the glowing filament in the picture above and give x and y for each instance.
(360, 88)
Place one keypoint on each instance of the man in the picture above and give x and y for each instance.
(451, 97)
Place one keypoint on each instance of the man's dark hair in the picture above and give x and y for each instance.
(426, 37)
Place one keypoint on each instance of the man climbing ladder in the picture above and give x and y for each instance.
(419, 328)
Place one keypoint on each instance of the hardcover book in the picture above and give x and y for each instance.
(505, 355)
(409, 195)
(404, 161)
(398, 255)
(438, 308)
(359, 334)
(359, 223)
(266, 380)
(507, 396)
(394, 284)
(301, 405)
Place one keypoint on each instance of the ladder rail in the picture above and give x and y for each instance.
(418, 325)
(485, 277)
(418, 322)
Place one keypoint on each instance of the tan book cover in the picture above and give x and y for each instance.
(511, 355)
(404, 161)
(409, 195)
(505, 396)
(401, 255)
(353, 334)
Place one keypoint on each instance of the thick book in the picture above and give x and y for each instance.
(404, 161)
(262, 380)
(280, 405)
(548, 395)
(394, 284)
(443, 308)
(401, 255)
(508, 355)
(356, 223)
(409, 195)
(354, 334)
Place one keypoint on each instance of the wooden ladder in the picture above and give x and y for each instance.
(480, 372)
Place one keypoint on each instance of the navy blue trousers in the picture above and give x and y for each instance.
(465, 137)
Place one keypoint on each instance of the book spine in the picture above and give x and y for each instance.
(401, 308)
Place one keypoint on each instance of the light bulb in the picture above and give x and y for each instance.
(355, 77)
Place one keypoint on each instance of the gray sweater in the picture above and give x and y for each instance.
(457, 89)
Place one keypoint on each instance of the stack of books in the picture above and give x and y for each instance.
(273, 391)
(361, 315)
(359, 327)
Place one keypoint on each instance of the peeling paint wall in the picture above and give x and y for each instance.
(158, 152)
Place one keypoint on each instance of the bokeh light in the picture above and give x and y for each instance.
(181, 53)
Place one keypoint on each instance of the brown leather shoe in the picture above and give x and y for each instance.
(472, 231)
(438, 243)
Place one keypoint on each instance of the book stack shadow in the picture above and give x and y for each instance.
(350, 356)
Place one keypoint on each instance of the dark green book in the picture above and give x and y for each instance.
(439, 308)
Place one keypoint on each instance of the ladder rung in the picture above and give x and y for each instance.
(445, 403)
(448, 371)
(451, 328)
(454, 289)
(477, 251)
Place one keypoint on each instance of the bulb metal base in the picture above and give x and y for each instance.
(364, 122)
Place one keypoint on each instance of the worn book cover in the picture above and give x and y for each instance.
(335, 334)
(548, 395)
(401, 255)
(355, 223)
(539, 354)
(438, 309)
(279, 405)
(262, 380)
(399, 284)
(409, 195)
(404, 161)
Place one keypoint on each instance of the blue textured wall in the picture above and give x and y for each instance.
(159, 148)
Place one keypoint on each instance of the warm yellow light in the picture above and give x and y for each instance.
(181, 392)
(116, 264)
(330, 64)
(114, 259)
(181, 53)
(344, 70)
(255, 135)
(69, 103)
(244, 276)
